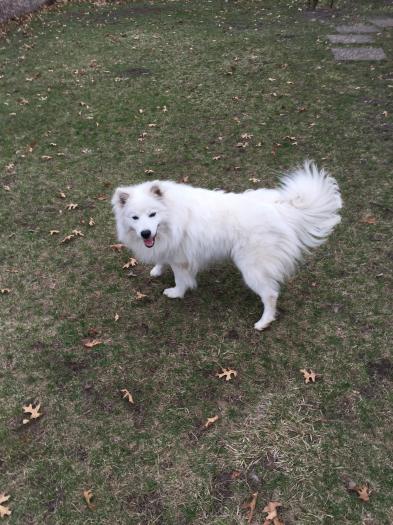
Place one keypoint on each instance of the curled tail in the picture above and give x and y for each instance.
(314, 200)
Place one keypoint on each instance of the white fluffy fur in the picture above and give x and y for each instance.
(264, 232)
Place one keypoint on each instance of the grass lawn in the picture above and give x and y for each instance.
(93, 96)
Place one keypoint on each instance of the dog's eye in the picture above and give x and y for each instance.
(152, 214)
(135, 218)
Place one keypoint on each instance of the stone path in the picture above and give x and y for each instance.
(359, 34)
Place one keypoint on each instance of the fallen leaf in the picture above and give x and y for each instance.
(130, 263)
(53, 232)
(271, 509)
(4, 291)
(102, 197)
(62, 195)
(6, 187)
(139, 296)
(117, 317)
(149, 172)
(185, 179)
(90, 343)
(227, 373)
(368, 218)
(33, 410)
(4, 511)
(46, 157)
(363, 492)
(127, 395)
(71, 206)
(210, 421)
(254, 180)
(309, 375)
(91, 221)
(250, 505)
(117, 247)
(88, 496)
(246, 136)
(217, 157)
(77, 233)
(66, 239)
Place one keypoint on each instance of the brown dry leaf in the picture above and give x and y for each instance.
(149, 172)
(62, 195)
(127, 395)
(4, 291)
(4, 511)
(117, 317)
(67, 239)
(368, 218)
(117, 247)
(46, 157)
(246, 136)
(254, 180)
(210, 421)
(33, 410)
(130, 263)
(217, 157)
(71, 206)
(54, 232)
(77, 233)
(250, 505)
(88, 496)
(102, 197)
(6, 187)
(227, 373)
(309, 375)
(185, 179)
(271, 509)
(91, 221)
(90, 343)
(139, 296)
(363, 492)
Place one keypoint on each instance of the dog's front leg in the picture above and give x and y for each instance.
(184, 280)
(157, 270)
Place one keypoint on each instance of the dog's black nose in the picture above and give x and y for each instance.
(146, 234)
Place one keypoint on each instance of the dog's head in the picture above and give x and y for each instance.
(142, 209)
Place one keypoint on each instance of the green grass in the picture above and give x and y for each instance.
(210, 65)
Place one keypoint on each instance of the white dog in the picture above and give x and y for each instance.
(263, 231)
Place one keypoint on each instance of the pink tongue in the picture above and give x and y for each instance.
(149, 242)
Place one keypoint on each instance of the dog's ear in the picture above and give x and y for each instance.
(156, 190)
(120, 197)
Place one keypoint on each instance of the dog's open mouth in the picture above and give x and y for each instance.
(149, 243)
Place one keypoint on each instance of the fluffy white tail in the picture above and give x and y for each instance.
(314, 198)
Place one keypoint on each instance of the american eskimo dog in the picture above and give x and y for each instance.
(264, 231)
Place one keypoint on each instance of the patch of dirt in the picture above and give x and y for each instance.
(223, 485)
(134, 72)
(149, 506)
(381, 369)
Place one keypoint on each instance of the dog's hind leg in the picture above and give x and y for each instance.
(157, 270)
(269, 298)
(184, 280)
(266, 288)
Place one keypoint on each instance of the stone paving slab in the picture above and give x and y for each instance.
(358, 53)
(382, 22)
(357, 28)
(351, 39)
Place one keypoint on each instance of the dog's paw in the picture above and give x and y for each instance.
(156, 271)
(262, 325)
(173, 293)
